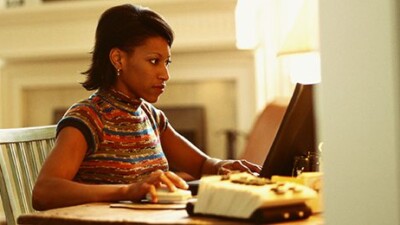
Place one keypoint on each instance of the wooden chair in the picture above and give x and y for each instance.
(264, 131)
(22, 153)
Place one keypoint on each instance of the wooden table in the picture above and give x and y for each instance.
(102, 213)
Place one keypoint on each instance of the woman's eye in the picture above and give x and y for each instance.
(157, 61)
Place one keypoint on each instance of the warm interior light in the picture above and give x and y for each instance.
(303, 36)
(300, 48)
(247, 33)
(304, 68)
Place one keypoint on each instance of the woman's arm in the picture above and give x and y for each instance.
(55, 186)
(192, 160)
(182, 153)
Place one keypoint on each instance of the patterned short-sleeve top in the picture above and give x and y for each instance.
(123, 136)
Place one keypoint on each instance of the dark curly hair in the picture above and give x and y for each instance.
(124, 27)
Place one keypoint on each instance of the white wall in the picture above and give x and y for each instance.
(359, 110)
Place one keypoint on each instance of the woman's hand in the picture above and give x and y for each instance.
(137, 191)
(227, 166)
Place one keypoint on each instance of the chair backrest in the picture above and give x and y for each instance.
(264, 131)
(22, 153)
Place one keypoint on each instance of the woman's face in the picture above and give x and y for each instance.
(144, 71)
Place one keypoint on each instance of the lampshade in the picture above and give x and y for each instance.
(304, 34)
(246, 17)
(300, 48)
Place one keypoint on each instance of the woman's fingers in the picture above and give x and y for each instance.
(154, 178)
(167, 181)
(177, 180)
(150, 184)
(253, 167)
(239, 165)
(153, 194)
(170, 179)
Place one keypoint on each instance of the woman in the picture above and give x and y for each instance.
(116, 145)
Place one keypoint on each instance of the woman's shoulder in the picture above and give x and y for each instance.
(156, 114)
(148, 105)
(94, 101)
(150, 108)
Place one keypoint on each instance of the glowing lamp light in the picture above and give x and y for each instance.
(300, 49)
(247, 36)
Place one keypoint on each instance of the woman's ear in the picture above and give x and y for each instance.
(115, 57)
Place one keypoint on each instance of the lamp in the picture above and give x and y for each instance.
(246, 23)
(300, 48)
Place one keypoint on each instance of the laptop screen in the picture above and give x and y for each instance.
(296, 134)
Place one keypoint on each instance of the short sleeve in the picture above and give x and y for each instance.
(160, 120)
(84, 117)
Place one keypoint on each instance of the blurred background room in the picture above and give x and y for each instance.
(231, 59)
(224, 70)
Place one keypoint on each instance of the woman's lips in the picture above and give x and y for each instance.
(160, 87)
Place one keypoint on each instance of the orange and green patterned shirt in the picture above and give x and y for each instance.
(123, 136)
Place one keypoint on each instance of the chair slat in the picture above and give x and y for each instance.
(4, 192)
(17, 174)
(22, 153)
(25, 175)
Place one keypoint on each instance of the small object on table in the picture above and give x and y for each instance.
(164, 195)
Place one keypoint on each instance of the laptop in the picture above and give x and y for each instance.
(296, 136)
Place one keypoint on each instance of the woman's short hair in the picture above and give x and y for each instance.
(124, 27)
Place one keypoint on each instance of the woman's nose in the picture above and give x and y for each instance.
(164, 75)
